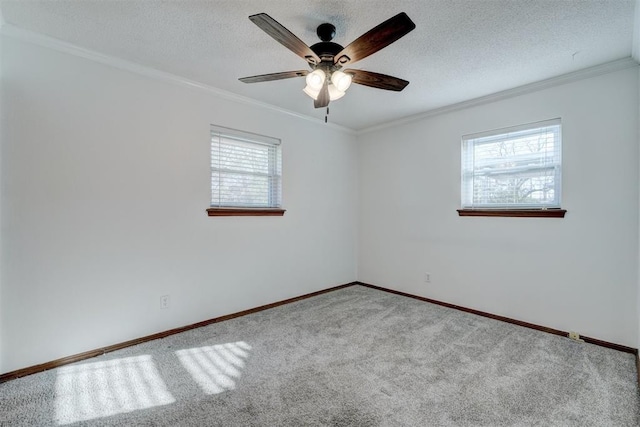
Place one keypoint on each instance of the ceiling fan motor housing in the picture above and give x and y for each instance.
(326, 51)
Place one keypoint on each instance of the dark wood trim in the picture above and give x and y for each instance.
(638, 367)
(245, 211)
(608, 344)
(518, 213)
(589, 340)
(108, 349)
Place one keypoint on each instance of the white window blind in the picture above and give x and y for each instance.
(517, 167)
(246, 169)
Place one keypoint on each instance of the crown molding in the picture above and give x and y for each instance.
(608, 67)
(32, 37)
(61, 46)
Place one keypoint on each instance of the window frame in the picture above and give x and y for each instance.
(274, 167)
(471, 141)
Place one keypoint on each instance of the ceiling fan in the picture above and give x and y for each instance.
(327, 81)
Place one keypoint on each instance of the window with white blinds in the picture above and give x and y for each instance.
(513, 168)
(246, 169)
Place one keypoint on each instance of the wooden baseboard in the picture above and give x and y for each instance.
(589, 340)
(100, 351)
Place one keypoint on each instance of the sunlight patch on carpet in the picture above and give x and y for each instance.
(215, 368)
(101, 389)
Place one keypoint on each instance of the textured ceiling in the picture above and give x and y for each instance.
(460, 49)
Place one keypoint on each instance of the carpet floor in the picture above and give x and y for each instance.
(352, 357)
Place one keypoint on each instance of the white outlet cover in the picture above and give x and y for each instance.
(164, 301)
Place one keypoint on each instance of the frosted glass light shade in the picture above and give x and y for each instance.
(315, 79)
(341, 80)
(335, 93)
(313, 93)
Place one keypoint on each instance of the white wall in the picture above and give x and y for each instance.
(104, 178)
(579, 273)
(1, 197)
(105, 185)
(635, 46)
(636, 56)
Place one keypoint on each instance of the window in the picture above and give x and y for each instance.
(513, 172)
(245, 174)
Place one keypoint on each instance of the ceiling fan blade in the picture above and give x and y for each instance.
(377, 80)
(285, 37)
(375, 39)
(274, 76)
(323, 96)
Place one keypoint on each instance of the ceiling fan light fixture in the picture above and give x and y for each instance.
(313, 93)
(341, 80)
(315, 80)
(325, 82)
(335, 93)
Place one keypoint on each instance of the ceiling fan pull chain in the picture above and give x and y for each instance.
(326, 115)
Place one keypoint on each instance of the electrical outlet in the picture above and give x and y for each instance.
(575, 336)
(164, 301)
(427, 277)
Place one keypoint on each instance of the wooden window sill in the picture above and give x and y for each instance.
(245, 211)
(519, 213)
